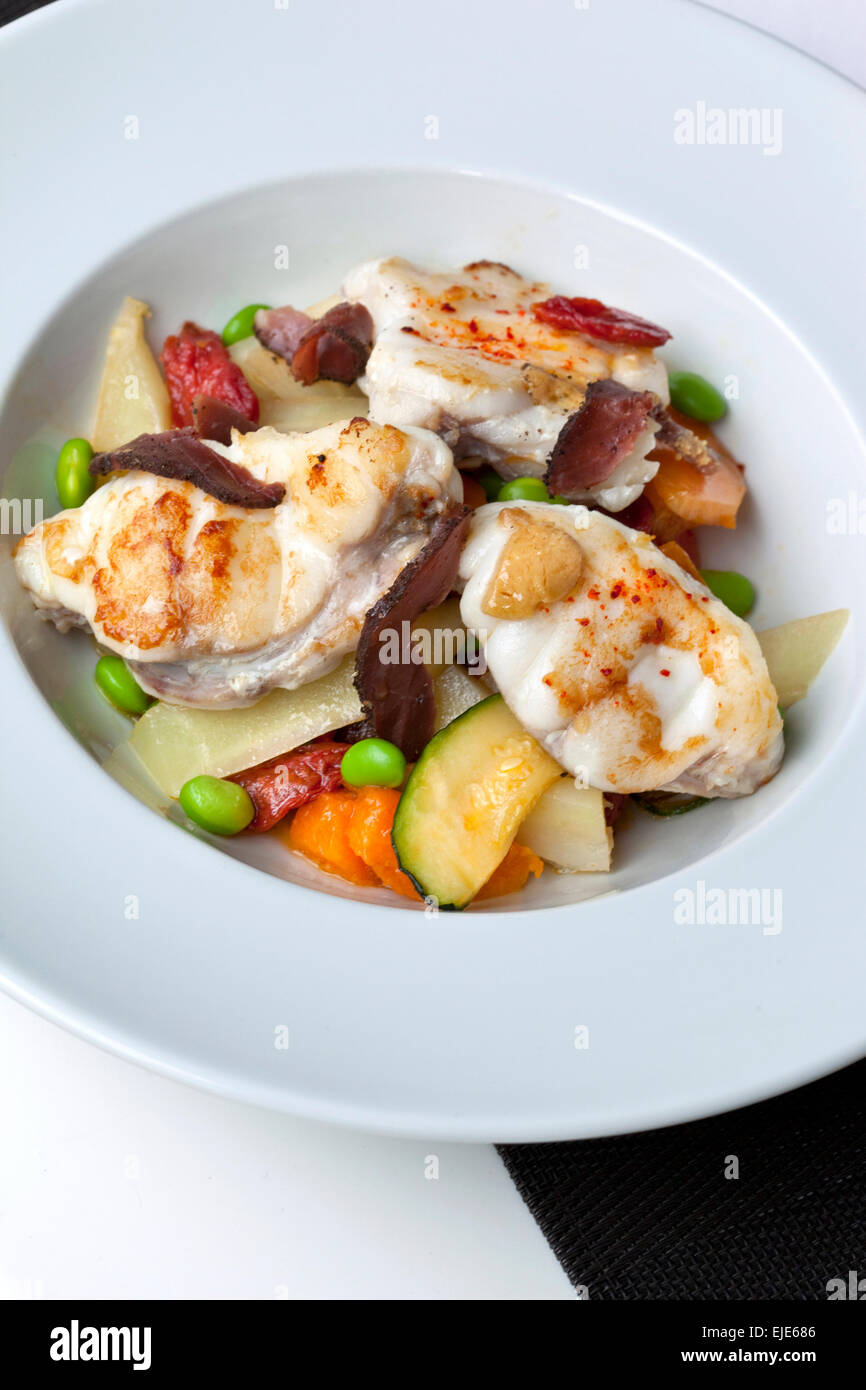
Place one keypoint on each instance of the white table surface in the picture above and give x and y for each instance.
(118, 1184)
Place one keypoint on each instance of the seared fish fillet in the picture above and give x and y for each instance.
(628, 670)
(215, 604)
(463, 354)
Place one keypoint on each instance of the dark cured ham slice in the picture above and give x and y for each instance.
(181, 454)
(329, 356)
(597, 438)
(335, 347)
(213, 419)
(332, 348)
(398, 697)
(281, 330)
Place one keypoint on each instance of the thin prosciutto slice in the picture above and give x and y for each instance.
(181, 454)
(332, 348)
(335, 347)
(281, 330)
(398, 697)
(215, 419)
(598, 437)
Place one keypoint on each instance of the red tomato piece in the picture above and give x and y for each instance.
(287, 782)
(197, 363)
(599, 320)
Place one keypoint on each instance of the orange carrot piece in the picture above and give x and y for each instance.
(675, 552)
(370, 837)
(473, 493)
(349, 834)
(706, 493)
(320, 831)
(512, 874)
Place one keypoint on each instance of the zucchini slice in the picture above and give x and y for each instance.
(476, 780)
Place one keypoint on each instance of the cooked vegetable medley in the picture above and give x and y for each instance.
(411, 580)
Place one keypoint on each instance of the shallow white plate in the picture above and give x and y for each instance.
(169, 153)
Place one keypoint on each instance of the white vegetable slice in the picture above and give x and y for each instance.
(175, 744)
(455, 692)
(566, 828)
(796, 651)
(312, 412)
(133, 398)
(441, 636)
(321, 307)
(284, 403)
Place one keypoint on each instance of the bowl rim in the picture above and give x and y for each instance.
(57, 749)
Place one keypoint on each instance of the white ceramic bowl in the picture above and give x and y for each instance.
(168, 949)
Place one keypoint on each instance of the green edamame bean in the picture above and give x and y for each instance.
(489, 480)
(696, 397)
(735, 590)
(524, 490)
(222, 807)
(373, 762)
(241, 324)
(74, 483)
(115, 680)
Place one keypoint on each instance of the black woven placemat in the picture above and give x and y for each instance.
(661, 1216)
(15, 9)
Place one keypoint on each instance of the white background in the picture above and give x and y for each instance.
(116, 1183)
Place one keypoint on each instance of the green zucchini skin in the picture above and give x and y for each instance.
(431, 751)
(439, 836)
(665, 804)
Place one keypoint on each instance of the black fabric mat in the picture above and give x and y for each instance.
(14, 9)
(653, 1216)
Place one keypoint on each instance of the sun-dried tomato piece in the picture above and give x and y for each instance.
(287, 782)
(599, 320)
(197, 363)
